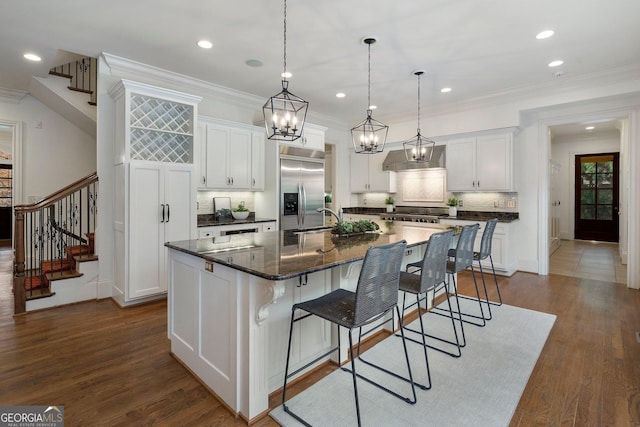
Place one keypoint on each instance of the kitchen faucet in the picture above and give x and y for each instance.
(338, 216)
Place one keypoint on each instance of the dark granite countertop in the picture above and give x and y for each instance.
(209, 220)
(485, 216)
(279, 255)
(363, 210)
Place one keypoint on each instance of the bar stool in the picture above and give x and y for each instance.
(375, 296)
(432, 278)
(462, 260)
(485, 252)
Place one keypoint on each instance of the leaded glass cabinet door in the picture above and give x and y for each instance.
(597, 197)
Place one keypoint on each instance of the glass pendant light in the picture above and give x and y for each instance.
(370, 135)
(285, 113)
(418, 148)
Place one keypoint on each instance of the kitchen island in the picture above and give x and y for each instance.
(230, 303)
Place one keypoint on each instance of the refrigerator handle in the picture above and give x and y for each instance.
(299, 206)
(304, 203)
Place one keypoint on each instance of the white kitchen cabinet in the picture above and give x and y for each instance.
(160, 210)
(257, 160)
(231, 156)
(312, 138)
(504, 248)
(311, 336)
(480, 163)
(367, 176)
(218, 230)
(155, 185)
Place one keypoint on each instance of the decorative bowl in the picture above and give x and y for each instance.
(240, 214)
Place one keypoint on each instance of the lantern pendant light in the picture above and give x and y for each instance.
(285, 113)
(418, 149)
(370, 135)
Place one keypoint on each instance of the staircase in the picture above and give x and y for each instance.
(82, 75)
(55, 259)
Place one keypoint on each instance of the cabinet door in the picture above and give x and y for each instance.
(493, 163)
(313, 139)
(146, 232)
(257, 161)
(179, 199)
(239, 160)
(200, 155)
(380, 181)
(216, 149)
(359, 172)
(461, 165)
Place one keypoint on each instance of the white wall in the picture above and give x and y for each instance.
(563, 151)
(55, 152)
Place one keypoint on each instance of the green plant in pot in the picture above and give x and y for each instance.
(389, 201)
(453, 203)
(240, 212)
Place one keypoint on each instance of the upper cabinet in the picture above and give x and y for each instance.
(312, 138)
(367, 175)
(231, 156)
(480, 163)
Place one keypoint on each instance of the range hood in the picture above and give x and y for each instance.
(396, 160)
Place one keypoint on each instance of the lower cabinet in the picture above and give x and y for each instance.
(161, 209)
(311, 336)
(503, 245)
(219, 230)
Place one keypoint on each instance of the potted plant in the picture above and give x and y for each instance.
(327, 200)
(240, 212)
(453, 203)
(389, 201)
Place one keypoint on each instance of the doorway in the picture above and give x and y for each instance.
(596, 197)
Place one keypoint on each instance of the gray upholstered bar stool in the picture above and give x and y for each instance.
(432, 278)
(375, 296)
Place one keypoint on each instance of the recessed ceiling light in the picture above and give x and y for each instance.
(32, 57)
(253, 63)
(556, 63)
(445, 89)
(590, 128)
(286, 75)
(205, 44)
(340, 95)
(544, 34)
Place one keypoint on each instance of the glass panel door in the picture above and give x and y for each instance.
(597, 197)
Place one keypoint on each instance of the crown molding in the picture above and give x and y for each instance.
(12, 96)
(557, 86)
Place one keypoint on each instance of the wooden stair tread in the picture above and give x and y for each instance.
(78, 89)
(57, 265)
(59, 275)
(85, 257)
(64, 75)
(45, 293)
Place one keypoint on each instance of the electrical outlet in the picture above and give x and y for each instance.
(511, 203)
(460, 203)
(501, 203)
(495, 203)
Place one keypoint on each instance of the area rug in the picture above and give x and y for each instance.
(483, 387)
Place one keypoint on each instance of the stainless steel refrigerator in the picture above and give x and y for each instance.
(301, 188)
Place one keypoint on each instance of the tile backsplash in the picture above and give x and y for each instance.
(205, 200)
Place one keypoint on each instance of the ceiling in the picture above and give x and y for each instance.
(478, 48)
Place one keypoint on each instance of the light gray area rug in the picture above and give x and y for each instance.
(483, 387)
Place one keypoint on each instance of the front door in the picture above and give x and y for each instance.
(596, 213)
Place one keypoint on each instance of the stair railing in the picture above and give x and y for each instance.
(48, 234)
(83, 74)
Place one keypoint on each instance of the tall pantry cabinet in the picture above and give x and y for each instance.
(155, 185)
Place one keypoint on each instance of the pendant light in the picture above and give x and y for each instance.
(418, 149)
(370, 135)
(285, 113)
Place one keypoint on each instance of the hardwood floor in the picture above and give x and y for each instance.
(111, 366)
